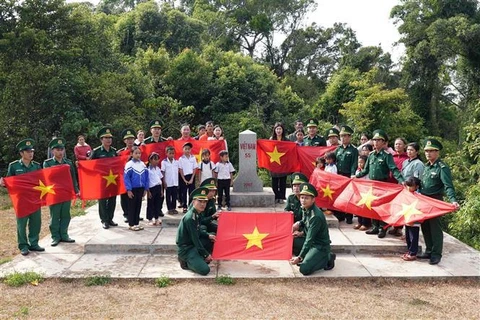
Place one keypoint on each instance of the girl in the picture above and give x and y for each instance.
(412, 229)
(140, 138)
(299, 134)
(279, 180)
(320, 163)
(331, 159)
(155, 190)
(205, 167)
(363, 223)
(136, 183)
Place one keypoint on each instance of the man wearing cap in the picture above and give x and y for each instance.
(332, 135)
(293, 200)
(106, 207)
(315, 253)
(312, 139)
(156, 131)
(192, 255)
(208, 224)
(34, 221)
(378, 167)
(298, 126)
(347, 163)
(128, 136)
(60, 212)
(436, 180)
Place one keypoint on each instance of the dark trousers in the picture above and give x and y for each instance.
(367, 222)
(412, 239)
(171, 197)
(223, 186)
(106, 208)
(124, 204)
(185, 189)
(154, 204)
(343, 215)
(279, 187)
(433, 234)
(134, 206)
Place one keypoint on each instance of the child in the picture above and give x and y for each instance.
(224, 170)
(187, 166)
(169, 168)
(362, 160)
(299, 134)
(205, 167)
(155, 190)
(331, 159)
(363, 223)
(320, 163)
(136, 183)
(412, 229)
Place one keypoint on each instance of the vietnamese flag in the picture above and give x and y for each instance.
(158, 147)
(215, 146)
(254, 236)
(408, 207)
(329, 187)
(308, 155)
(101, 178)
(361, 196)
(277, 156)
(30, 191)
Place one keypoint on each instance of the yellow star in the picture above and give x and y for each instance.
(111, 178)
(255, 238)
(199, 155)
(275, 156)
(367, 199)
(409, 210)
(327, 192)
(44, 189)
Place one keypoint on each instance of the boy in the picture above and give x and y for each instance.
(187, 167)
(224, 171)
(169, 168)
(205, 167)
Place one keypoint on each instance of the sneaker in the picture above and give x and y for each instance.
(219, 208)
(229, 208)
(372, 231)
(161, 214)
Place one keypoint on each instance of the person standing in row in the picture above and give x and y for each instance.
(312, 139)
(298, 126)
(279, 179)
(60, 212)
(224, 170)
(187, 168)
(169, 168)
(155, 190)
(332, 137)
(129, 140)
(156, 131)
(82, 149)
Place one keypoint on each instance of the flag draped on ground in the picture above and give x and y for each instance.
(254, 236)
(45, 187)
(101, 178)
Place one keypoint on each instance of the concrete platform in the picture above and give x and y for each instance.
(257, 199)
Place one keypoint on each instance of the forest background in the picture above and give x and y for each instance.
(70, 68)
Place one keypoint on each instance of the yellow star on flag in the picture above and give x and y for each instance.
(44, 189)
(111, 178)
(367, 198)
(199, 155)
(275, 156)
(255, 238)
(409, 210)
(327, 192)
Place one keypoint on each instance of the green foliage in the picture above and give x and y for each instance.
(225, 280)
(78, 211)
(18, 279)
(5, 260)
(97, 280)
(163, 282)
(5, 202)
(22, 312)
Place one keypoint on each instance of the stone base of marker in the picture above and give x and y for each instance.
(261, 199)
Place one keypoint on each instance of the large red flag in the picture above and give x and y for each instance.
(101, 178)
(215, 146)
(307, 156)
(277, 156)
(158, 147)
(35, 189)
(329, 187)
(254, 236)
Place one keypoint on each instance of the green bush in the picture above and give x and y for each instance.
(18, 279)
(97, 281)
(225, 280)
(77, 210)
(163, 282)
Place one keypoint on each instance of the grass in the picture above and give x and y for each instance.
(97, 281)
(18, 279)
(22, 312)
(77, 210)
(163, 282)
(225, 280)
(5, 260)
(5, 202)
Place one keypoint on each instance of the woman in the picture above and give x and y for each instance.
(279, 180)
(140, 138)
(82, 149)
(399, 156)
(218, 135)
(413, 166)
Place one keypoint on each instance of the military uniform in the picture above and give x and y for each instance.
(208, 223)
(293, 201)
(315, 141)
(154, 124)
(34, 220)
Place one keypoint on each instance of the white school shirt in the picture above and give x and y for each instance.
(224, 170)
(206, 170)
(188, 165)
(332, 168)
(155, 176)
(170, 172)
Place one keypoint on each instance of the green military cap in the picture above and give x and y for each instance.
(128, 133)
(210, 183)
(57, 143)
(26, 144)
(312, 123)
(346, 130)
(155, 124)
(332, 132)
(199, 194)
(105, 132)
(299, 178)
(308, 190)
(432, 144)
(379, 134)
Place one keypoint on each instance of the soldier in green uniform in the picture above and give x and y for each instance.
(60, 212)
(312, 139)
(34, 221)
(378, 167)
(156, 131)
(347, 163)
(293, 200)
(128, 136)
(332, 136)
(315, 253)
(192, 255)
(208, 219)
(106, 207)
(436, 180)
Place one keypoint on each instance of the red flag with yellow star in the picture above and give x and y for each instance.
(45, 187)
(308, 155)
(215, 146)
(329, 186)
(158, 147)
(101, 178)
(277, 156)
(254, 236)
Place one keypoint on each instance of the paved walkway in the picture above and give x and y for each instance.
(120, 253)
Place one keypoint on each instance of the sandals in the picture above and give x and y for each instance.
(158, 222)
(134, 228)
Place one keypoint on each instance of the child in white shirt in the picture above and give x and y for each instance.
(224, 171)
(169, 168)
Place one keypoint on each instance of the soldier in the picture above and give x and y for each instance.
(128, 136)
(293, 200)
(315, 251)
(192, 255)
(106, 207)
(332, 135)
(312, 139)
(436, 180)
(156, 131)
(347, 163)
(378, 167)
(34, 221)
(60, 212)
(208, 220)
